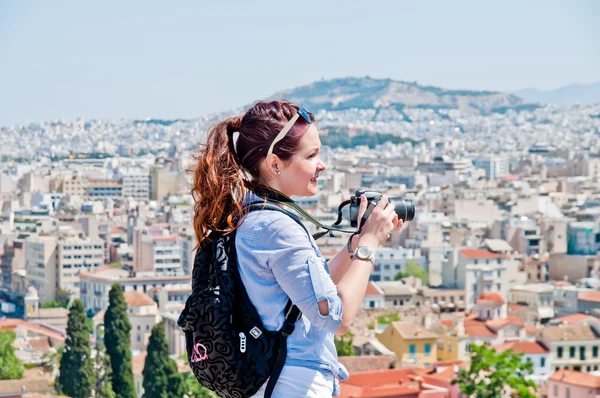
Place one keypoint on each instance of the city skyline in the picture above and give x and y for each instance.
(68, 60)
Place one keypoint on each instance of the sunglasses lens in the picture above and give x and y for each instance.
(304, 113)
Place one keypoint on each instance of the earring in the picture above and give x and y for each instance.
(277, 171)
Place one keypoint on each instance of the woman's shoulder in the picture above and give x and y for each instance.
(272, 225)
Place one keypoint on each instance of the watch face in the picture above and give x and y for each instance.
(363, 252)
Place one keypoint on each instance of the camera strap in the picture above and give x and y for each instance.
(280, 198)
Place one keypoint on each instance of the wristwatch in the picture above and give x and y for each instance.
(364, 253)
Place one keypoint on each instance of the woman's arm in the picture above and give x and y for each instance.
(340, 263)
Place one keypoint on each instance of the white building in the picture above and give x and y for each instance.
(156, 250)
(96, 285)
(494, 165)
(539, 297)
(391, 260)
(136, 184)
(481, 271)
(533, 352)
(54, 263)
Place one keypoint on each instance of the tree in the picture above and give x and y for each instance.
(103, 373)
(400, 275)
(63, 297)
(413, 269)
(117, 331)
(494, 374)
(193, 389)
(76, 377)
(161, 377)
(10, 367)
(343, 345)
(388, 318)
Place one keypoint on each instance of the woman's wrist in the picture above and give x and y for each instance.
(370, 241)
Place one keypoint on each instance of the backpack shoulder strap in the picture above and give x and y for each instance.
(292, 312)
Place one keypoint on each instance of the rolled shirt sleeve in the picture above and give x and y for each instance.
(300, 271)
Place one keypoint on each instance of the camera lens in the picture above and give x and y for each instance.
(405, 208)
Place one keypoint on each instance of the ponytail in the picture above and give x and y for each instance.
(218, 187)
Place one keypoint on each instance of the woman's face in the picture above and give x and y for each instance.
(299, 173)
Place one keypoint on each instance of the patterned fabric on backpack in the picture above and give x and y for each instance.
(229, 350)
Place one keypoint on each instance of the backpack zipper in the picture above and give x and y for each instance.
(242, 342)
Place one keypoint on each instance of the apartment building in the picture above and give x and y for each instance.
(96, 285)
(572, 347)
(56, 262)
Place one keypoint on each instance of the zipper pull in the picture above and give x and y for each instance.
(242, 342)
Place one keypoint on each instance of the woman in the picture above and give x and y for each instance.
(276, 145)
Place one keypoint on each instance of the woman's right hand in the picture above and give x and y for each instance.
(380, 224)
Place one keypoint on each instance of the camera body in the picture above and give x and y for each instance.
(405, 208)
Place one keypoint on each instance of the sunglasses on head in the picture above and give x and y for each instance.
(302, 112)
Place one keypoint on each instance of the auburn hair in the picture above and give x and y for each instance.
(223, 172)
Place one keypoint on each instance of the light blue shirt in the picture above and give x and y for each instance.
(278, 260)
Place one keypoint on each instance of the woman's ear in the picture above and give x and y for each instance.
(273, 164)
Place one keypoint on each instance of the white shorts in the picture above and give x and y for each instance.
(300, 382)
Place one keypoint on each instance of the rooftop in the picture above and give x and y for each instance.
(480, 254)
(590, 296)
(137, 299)
(576, 378)
(491, 297)
(526, 347)
(573, 319)
(412, 331)
(569, 333)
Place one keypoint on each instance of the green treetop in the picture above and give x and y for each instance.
(161, 378)
(494, 374)
(117, 329)
(10, 367)
(76, 377)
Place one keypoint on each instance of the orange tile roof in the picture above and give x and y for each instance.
(526, 347)
(516, 307)
(591, 296)
(13, 323)
(372, 290)
(379, 384)
(573, 318)
(491, 297)
(576, 378)
(480, 254)
(530, 329)
(478, 330)
(447, 323)
(137, 299)
(562, 283)
(164, 238)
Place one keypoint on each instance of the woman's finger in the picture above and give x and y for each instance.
(362, 209)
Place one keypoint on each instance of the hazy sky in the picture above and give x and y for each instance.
(137, 59)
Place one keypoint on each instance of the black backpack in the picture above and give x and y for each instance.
(229, 350)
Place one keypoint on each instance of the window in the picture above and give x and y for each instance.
(427, 349)
(559, 352)
(555, 390)
(572, 352)
(139, 338)
(595, 351)
(435, 300)
(567, 392)
(542, 362)
(412, 351)
(449, 347)
(581, 352)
